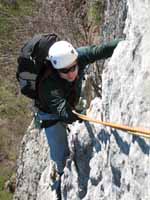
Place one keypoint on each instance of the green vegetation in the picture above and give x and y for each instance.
(5, 195)
(15, 116)
(95, 11)
(10, 14)
(11, 105)
(18, 8)
(14, 108)
(5, 174)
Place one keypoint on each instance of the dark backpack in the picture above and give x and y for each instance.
(31, 62)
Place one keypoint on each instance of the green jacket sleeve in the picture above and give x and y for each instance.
(57, 103)
(90, 54)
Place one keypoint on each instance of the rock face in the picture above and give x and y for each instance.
(115, 13)
(32, 161)
(104, 163)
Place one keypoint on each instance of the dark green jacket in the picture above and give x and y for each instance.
(59, 95)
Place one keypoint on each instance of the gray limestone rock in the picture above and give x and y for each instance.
(119, 166)
(32, 161)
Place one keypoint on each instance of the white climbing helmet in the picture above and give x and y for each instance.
(62, 54)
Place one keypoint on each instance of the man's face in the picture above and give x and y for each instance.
(69, 73)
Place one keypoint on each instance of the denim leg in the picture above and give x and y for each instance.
(57, 140)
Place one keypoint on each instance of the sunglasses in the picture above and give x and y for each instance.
(71, 69)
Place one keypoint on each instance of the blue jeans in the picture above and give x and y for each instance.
(57, 140)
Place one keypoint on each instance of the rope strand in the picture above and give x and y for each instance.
(132, 130)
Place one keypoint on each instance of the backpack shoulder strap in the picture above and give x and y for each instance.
(41, 101)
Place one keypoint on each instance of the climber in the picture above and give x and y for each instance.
(59, 92)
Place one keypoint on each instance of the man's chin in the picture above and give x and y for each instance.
(71, 80)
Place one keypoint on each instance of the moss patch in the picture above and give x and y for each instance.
(95, 11)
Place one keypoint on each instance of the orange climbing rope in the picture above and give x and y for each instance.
(132, 130)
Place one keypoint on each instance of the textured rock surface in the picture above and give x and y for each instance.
(112, 164)
(104, 163)
(115, 13)
(32, 161)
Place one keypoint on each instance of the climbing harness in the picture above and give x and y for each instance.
(132, 130)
